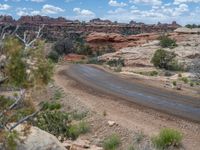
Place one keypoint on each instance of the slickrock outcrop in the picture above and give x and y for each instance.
(119, 41)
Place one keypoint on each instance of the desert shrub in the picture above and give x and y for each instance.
(54, 56)
(79, 115)
(51, 106)
(5, 102)
(64, 46)
(167, 42)
(84, 127)
(131, 147)
(174, 83)
(94, 60)
(184, 79)
(74, 132)
(167, 138)
(166, 60)
(116, 62)
(111, 142)
(83, 49)
(191, 84)
(9, 139)
(57, 95)
(150, 73)
(54, 122)
(167, 74)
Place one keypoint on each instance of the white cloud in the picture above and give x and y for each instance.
(4, 7)
(114, 3)
(83, 12)
(147, 2)
(176, 2)
(50, 9)
(117, 11)
(38, 1)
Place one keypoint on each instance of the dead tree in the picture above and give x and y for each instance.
(27, 41)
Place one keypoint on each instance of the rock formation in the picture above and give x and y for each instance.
(57, 28)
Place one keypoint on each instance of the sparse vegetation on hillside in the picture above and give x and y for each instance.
(192, 26)
(166, 42)
(167, 138)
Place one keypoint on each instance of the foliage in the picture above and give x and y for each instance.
(27, 69)
(150, 73)
(83, 49)
(15, 68)
(167, 42)
(184, 79)
(51, 106)
(94, 60)
(57, 95)
(83, 127)
(5, 102)
(111, 142)
(116, 62)
(54, 122)
(9, 139)
(174, 83)
(166, 60)
(166, 138)
(64, 46)
(192, 26)
(77, 129)
(79, 115)
(54, 56)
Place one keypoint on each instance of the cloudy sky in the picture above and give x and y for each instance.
(148, 11)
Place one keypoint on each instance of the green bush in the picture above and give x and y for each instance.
(166, 60)
(57, 95)
(116, 62)
(191, 84)
(51, 106)
(74, 132)
(54, 56)
(111, 142)
(166, 42)
(167, 138)
(84, 127)
(174, 83)
(54, 122)
(185, 79)
(78, 129)
(94, 60)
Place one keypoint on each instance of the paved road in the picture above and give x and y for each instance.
(165, 101)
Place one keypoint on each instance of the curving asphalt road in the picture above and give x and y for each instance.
(165, 101)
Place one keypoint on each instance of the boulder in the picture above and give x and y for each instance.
(38, 139)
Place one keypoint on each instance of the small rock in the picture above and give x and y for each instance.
(111, 123)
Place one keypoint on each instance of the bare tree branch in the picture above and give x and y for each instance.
(24, 119)
(27, 42)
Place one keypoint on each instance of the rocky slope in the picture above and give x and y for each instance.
(188, 48)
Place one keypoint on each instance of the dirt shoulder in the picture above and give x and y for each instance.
(130, 118)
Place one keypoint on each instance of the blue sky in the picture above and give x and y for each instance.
(148, 11)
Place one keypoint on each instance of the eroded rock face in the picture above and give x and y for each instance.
(38, 139)
(119, 41)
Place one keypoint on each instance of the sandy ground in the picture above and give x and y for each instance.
(132, 118)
